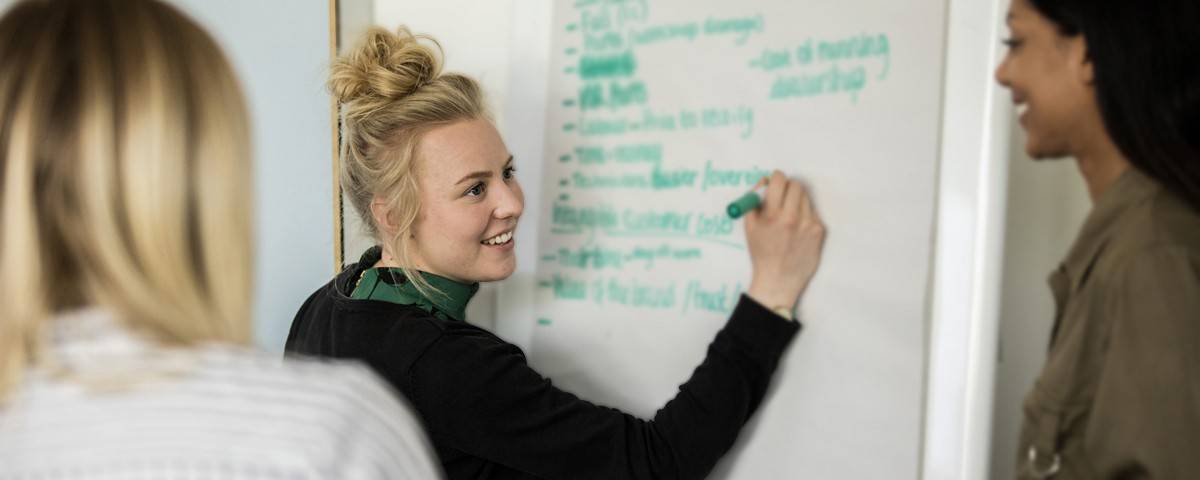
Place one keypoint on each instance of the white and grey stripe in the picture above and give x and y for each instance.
(215, 412)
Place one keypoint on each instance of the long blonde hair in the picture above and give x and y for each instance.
(125, 169)
(392, 92)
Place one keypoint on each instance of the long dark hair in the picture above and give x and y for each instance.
(1146, 59)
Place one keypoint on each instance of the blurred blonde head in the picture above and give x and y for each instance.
(124, 169)
(392, 93)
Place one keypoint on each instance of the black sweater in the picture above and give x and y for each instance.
(489, 415)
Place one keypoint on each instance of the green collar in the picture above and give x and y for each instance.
(391, 285)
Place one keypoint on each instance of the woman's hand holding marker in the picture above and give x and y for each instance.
(784, 236)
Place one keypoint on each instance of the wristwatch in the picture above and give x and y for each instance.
(783, 311)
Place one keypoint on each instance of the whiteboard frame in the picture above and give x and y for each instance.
(335, 125)
(968, 258)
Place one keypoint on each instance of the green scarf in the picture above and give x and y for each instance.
(391, 285)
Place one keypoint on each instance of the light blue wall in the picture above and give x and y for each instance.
(280, 49)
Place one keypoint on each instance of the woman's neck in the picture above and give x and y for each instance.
(386, 260)
(1101, 165)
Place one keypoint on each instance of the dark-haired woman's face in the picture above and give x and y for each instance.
(1050, 80)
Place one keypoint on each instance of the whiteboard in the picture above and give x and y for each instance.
(962, 293)
(657, 115)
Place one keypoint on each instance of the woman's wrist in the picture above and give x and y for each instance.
(764, 293)
(780, 303)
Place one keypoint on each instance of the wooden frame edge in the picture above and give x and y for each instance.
(338, 234)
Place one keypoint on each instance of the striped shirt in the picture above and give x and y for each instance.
(112, 405)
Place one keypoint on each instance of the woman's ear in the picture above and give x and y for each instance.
(1079, 54)
(383, 218)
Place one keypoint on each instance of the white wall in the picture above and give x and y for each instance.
(280, 50)
(353, 18)
(1047, 202)
(480, 48)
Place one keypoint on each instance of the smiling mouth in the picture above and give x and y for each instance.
(1020, 108)
(500, 239)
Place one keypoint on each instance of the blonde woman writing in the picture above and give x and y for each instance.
(430, 175)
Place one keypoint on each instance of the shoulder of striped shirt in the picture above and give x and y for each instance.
(374, 406)
(320, 374)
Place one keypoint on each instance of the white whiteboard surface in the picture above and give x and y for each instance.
(959, 295)
(676, 108)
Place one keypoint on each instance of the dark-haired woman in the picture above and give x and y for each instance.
(1116, 85)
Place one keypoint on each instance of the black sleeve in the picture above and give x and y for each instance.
(479, 396)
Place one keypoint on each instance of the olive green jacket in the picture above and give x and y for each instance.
(1119, 395)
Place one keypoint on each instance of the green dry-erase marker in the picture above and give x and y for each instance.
(750, 201)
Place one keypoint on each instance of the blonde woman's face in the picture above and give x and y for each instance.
(470, 204)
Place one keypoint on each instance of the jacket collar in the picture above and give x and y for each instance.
(392, 285)
(1130, 188)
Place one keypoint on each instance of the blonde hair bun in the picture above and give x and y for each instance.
(385, 67)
